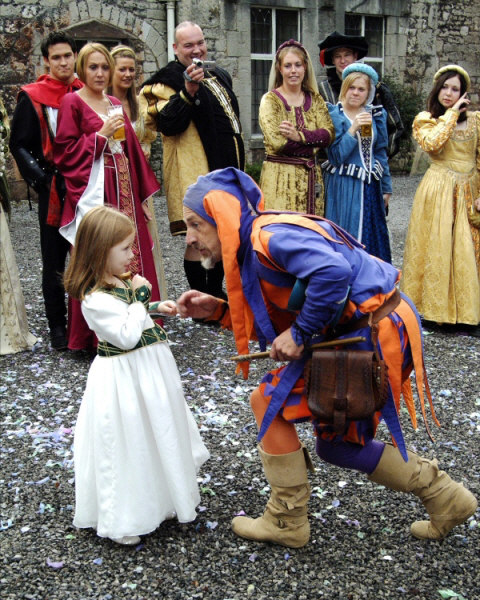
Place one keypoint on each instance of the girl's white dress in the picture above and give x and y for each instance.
(137, 448)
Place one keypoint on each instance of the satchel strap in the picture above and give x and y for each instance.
(341, 381)
(374, 317)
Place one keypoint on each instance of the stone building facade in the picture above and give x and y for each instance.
(409, 38)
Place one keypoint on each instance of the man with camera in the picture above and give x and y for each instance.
(191, 103)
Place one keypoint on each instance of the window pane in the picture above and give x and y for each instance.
(374, 35)
(260, 72)
(261, 24)
(287, 26)
(353, 25)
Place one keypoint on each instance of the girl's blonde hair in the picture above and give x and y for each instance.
(348, 81)
(126, 52)
(309, 83)
(100, 230)
(83, 55)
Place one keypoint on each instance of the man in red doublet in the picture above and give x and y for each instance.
(31, 143)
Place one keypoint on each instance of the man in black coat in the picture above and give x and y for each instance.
(31, 144)
(337, 51)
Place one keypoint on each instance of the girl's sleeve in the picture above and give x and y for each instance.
(380, 149)
(344, 145)
(271, 114)
(324, 131)
(432, 134)
(114, 321)
(75, 148)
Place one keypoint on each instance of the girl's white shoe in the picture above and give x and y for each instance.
(127, 540)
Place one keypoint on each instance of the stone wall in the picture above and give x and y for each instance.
(420, 36)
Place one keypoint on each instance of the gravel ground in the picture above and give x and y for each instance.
(360, 546)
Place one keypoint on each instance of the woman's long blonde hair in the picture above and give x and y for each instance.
(99, 231)
(126, 52)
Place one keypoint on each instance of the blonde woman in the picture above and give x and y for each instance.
(295, 123)
(124, 89)
(358, 185)
(101, 170)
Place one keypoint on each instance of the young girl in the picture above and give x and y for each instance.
(137, 448)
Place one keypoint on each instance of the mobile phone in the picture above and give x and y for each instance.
(464, 104)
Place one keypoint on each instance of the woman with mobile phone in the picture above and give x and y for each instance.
(442, 252)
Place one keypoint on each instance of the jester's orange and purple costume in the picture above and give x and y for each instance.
(287, 270)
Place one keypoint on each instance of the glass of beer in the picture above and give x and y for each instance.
(118, 134)
(366, 130)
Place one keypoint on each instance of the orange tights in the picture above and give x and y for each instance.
(281, 437)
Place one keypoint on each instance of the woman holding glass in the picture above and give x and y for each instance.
(123, 88)
(295, 124)
(358, 185)
(98, 153)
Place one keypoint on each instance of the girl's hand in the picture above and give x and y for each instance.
(111, 124)
(146, 211)
(167, 307)
(288, 131)
(386, 200)
(361, 118)
(138, 281)
(465, 100)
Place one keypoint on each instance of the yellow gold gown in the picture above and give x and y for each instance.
(441, 267)
(285, 186)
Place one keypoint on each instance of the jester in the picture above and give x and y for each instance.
(293, 280)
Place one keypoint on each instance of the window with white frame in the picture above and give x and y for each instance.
(373, 29)
(269, 28)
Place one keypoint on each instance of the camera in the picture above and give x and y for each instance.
(206, 65)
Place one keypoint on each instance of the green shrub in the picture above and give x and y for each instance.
(254, 170)
(409, 102)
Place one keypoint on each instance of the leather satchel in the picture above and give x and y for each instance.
(345, 385)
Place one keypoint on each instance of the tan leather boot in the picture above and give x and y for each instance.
(285, 519)
(447, 502)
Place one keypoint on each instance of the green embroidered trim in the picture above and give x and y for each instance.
(154, 335)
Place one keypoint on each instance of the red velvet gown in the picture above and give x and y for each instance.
(98, 173)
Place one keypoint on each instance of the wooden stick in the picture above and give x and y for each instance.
(329, 344)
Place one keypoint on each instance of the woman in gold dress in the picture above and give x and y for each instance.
(441, 270)
(14, 333)
(295, 124)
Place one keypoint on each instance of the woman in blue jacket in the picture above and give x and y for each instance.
(357, 182)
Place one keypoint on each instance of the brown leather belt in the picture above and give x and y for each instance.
(369, 319)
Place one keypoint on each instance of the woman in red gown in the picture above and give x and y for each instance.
(101, 170)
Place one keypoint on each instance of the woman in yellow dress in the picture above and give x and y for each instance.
(441, 269)
(295, 123)
(14, 333)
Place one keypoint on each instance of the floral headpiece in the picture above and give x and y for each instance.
(455, 68)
